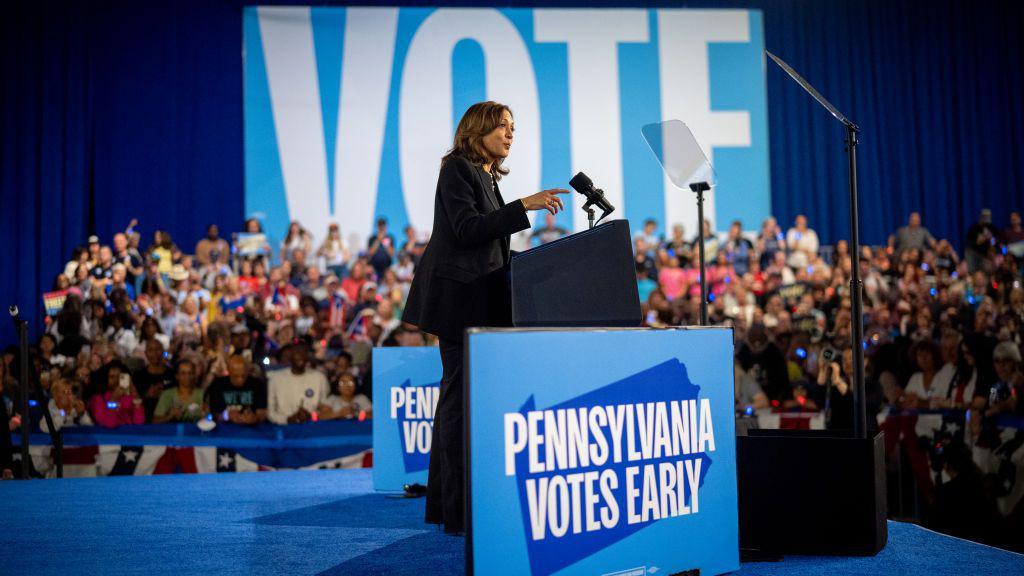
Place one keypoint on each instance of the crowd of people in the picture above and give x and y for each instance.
(941, 331)
(157, 333)
(942, 344)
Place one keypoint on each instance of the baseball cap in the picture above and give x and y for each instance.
(1006, 351)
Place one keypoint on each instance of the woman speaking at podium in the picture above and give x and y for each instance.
(462, 280)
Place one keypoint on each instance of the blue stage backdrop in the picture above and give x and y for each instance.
(612, 451)
(122, 109)
(407, 383)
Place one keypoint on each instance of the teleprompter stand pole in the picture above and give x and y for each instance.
(856, 290)
(856, 296)
(700, 188)
(777, 466)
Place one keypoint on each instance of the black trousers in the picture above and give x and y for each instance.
(446, 483)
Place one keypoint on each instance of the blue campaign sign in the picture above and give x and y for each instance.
(406, 381)
(348, 110)
(603, 452)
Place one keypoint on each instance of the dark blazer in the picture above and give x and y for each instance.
(462, 280)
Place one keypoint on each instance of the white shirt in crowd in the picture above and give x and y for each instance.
(520, 241)
(334, 252)
(124, 339)
(944, 379)
(404, 272)
(387, 326)
(802, 246)
(200, 295)
(359, 403)
(71, 268)
(63, 419)
(140, 348)
(938, 389)
(287, 392)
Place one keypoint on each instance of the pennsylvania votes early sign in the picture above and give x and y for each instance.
(620, 455)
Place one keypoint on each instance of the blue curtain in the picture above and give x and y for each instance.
(111, 111)
(114, 110)
(936, 88)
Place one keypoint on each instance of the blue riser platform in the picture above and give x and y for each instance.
(319, 522)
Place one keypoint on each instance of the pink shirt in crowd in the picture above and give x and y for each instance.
(719, 278)
(110, 414)
(673, 282)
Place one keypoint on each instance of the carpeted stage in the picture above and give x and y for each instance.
(319, 522)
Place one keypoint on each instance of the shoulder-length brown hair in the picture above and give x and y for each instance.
(478, 121)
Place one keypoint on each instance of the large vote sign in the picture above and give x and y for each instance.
(601, 452)
(349, 110)
(407, 380)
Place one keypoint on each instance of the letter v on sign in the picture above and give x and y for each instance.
(369, 44)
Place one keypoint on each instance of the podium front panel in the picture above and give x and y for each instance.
(601, 451)
(585, 279)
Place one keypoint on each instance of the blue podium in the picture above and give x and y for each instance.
(600, 451)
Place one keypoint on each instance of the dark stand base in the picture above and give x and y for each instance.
(811, 492)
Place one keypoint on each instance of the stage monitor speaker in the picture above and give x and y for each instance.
(811, 492)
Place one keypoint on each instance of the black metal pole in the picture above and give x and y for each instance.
(58, 448)
(56, 436)
(856, 296)
(856, 293)
(26, 389)
(699, 188)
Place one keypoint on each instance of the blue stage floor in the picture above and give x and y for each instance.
(318, 522)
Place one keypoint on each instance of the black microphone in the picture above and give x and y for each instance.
(15, 314)
(584, 185)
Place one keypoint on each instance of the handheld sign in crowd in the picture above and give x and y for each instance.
(601, 451)
(408, 380)
(54, 301)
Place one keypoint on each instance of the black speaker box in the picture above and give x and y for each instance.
(811, 492)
